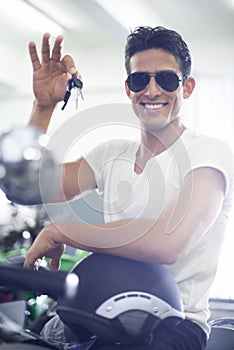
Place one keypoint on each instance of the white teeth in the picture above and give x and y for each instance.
(153, 106)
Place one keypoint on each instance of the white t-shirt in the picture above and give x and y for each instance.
(130, 195)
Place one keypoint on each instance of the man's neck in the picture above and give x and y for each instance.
(156, 142)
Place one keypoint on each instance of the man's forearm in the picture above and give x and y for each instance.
(40, 117)
(133, 239)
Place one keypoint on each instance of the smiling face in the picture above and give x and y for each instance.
(155, 107)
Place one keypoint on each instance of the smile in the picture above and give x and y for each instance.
(154, 105)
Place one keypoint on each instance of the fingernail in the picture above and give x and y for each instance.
(73, 70)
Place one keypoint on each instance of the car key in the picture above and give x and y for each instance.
(73, 83)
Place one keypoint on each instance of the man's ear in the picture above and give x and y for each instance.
(128, 91)
(188, 87)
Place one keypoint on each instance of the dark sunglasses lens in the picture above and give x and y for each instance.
(138, 81)
(169, 81)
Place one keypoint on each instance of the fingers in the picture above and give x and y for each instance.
(34, 56)
(45, 48)
(67, 61)
(45, 52)
(36, 263)
(32, 262)
(57, 49)
(34, 257)
(55, 264)
(69, 65)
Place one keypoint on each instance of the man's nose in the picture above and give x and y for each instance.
(152, 89)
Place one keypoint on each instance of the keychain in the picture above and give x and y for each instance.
(73, 83)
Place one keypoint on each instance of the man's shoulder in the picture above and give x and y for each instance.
(206, 150)
(205, 142)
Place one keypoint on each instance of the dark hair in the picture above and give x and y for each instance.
(144, 38)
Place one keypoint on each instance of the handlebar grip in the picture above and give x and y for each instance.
(53, 283)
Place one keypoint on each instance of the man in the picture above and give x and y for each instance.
(181, 182)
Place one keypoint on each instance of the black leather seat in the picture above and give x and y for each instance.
(22, 347)
(222, 334)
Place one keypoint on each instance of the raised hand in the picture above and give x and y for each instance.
(51, 74)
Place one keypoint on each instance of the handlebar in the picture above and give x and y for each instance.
(53, 283)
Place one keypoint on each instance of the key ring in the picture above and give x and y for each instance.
(73, 83)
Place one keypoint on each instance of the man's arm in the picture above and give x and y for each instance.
(165, 240)
(76, 178)
(50, 78)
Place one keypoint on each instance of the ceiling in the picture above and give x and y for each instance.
(95, 36)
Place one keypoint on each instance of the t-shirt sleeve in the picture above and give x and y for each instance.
(101, 158)
(214, 153)
(95, 160)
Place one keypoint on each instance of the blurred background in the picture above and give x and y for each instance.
(95, 33)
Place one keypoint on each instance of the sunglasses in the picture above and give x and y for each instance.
(167, 80)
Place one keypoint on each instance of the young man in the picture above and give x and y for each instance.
(176, 206)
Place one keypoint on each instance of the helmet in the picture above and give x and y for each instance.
(120, 300)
